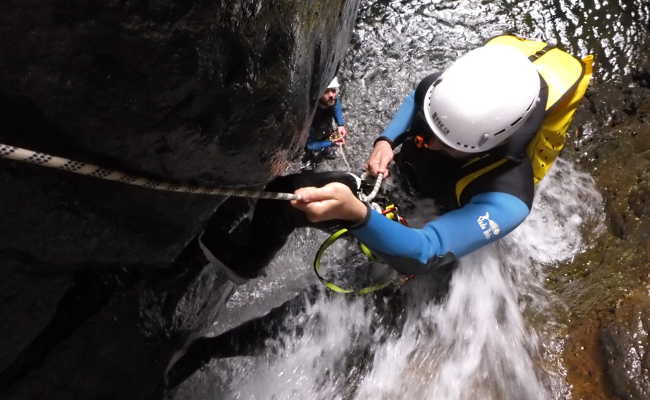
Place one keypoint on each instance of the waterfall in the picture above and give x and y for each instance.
(475, 342)
(491, 331)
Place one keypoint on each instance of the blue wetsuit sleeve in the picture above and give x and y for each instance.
(319, 145)
(486, 218)
(338, 113)
(401, 120)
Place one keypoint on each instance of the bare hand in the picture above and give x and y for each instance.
(338, 137)
(332, 201)
(382, 155)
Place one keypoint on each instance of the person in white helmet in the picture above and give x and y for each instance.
(322, 138)
(463, 134)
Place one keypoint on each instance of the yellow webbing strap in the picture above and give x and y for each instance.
(462, 184)
(336, 288)
(389, 212)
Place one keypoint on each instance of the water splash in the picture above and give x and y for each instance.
(476, 342)
(308, 360)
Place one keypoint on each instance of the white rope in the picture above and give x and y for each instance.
(371, 196)
(345, 158)
(50, 161)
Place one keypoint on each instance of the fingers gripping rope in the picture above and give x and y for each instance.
(47, 160)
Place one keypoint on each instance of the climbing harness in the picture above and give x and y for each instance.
(50, 161)
(389, 212)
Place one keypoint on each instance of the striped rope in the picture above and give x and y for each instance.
(50, 161)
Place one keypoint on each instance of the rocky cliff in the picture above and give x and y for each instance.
(95, 296)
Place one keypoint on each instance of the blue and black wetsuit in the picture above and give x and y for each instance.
(486, 196)
(321, 126)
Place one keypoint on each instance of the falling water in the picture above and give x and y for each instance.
(486, 332)
(474, 343)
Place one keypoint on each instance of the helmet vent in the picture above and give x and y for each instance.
(484, 138)
(437, 82)
(500, 132)
(532, 103)
(517, 120)
(438, 122)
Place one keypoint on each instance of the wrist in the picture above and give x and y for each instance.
(358, 211)
(363, 221)
(383, 139)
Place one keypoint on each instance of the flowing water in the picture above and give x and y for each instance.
(489, 332)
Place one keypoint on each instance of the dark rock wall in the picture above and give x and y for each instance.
(210, 92)
(95, 300)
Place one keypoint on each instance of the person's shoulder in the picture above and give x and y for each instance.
(425, 84)
(430, 78)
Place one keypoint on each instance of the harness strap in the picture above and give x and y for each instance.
(466, 180)
(533, 57)
(389, 212)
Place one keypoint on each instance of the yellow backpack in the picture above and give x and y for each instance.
(567, 78)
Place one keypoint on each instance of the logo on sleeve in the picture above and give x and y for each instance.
(489, 227)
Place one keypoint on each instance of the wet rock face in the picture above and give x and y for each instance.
(215, 93)
(625, 343)
(606, 287)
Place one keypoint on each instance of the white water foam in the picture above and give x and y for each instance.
(475, 343)
(306, 362)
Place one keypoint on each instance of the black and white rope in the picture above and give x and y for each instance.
(50, 161)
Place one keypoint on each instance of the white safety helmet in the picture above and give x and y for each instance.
(334, 84)
(482, 98)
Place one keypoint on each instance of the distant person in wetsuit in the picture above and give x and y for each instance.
(323, 137)
(466, 137)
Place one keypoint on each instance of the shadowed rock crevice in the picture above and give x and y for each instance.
(89, 293)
